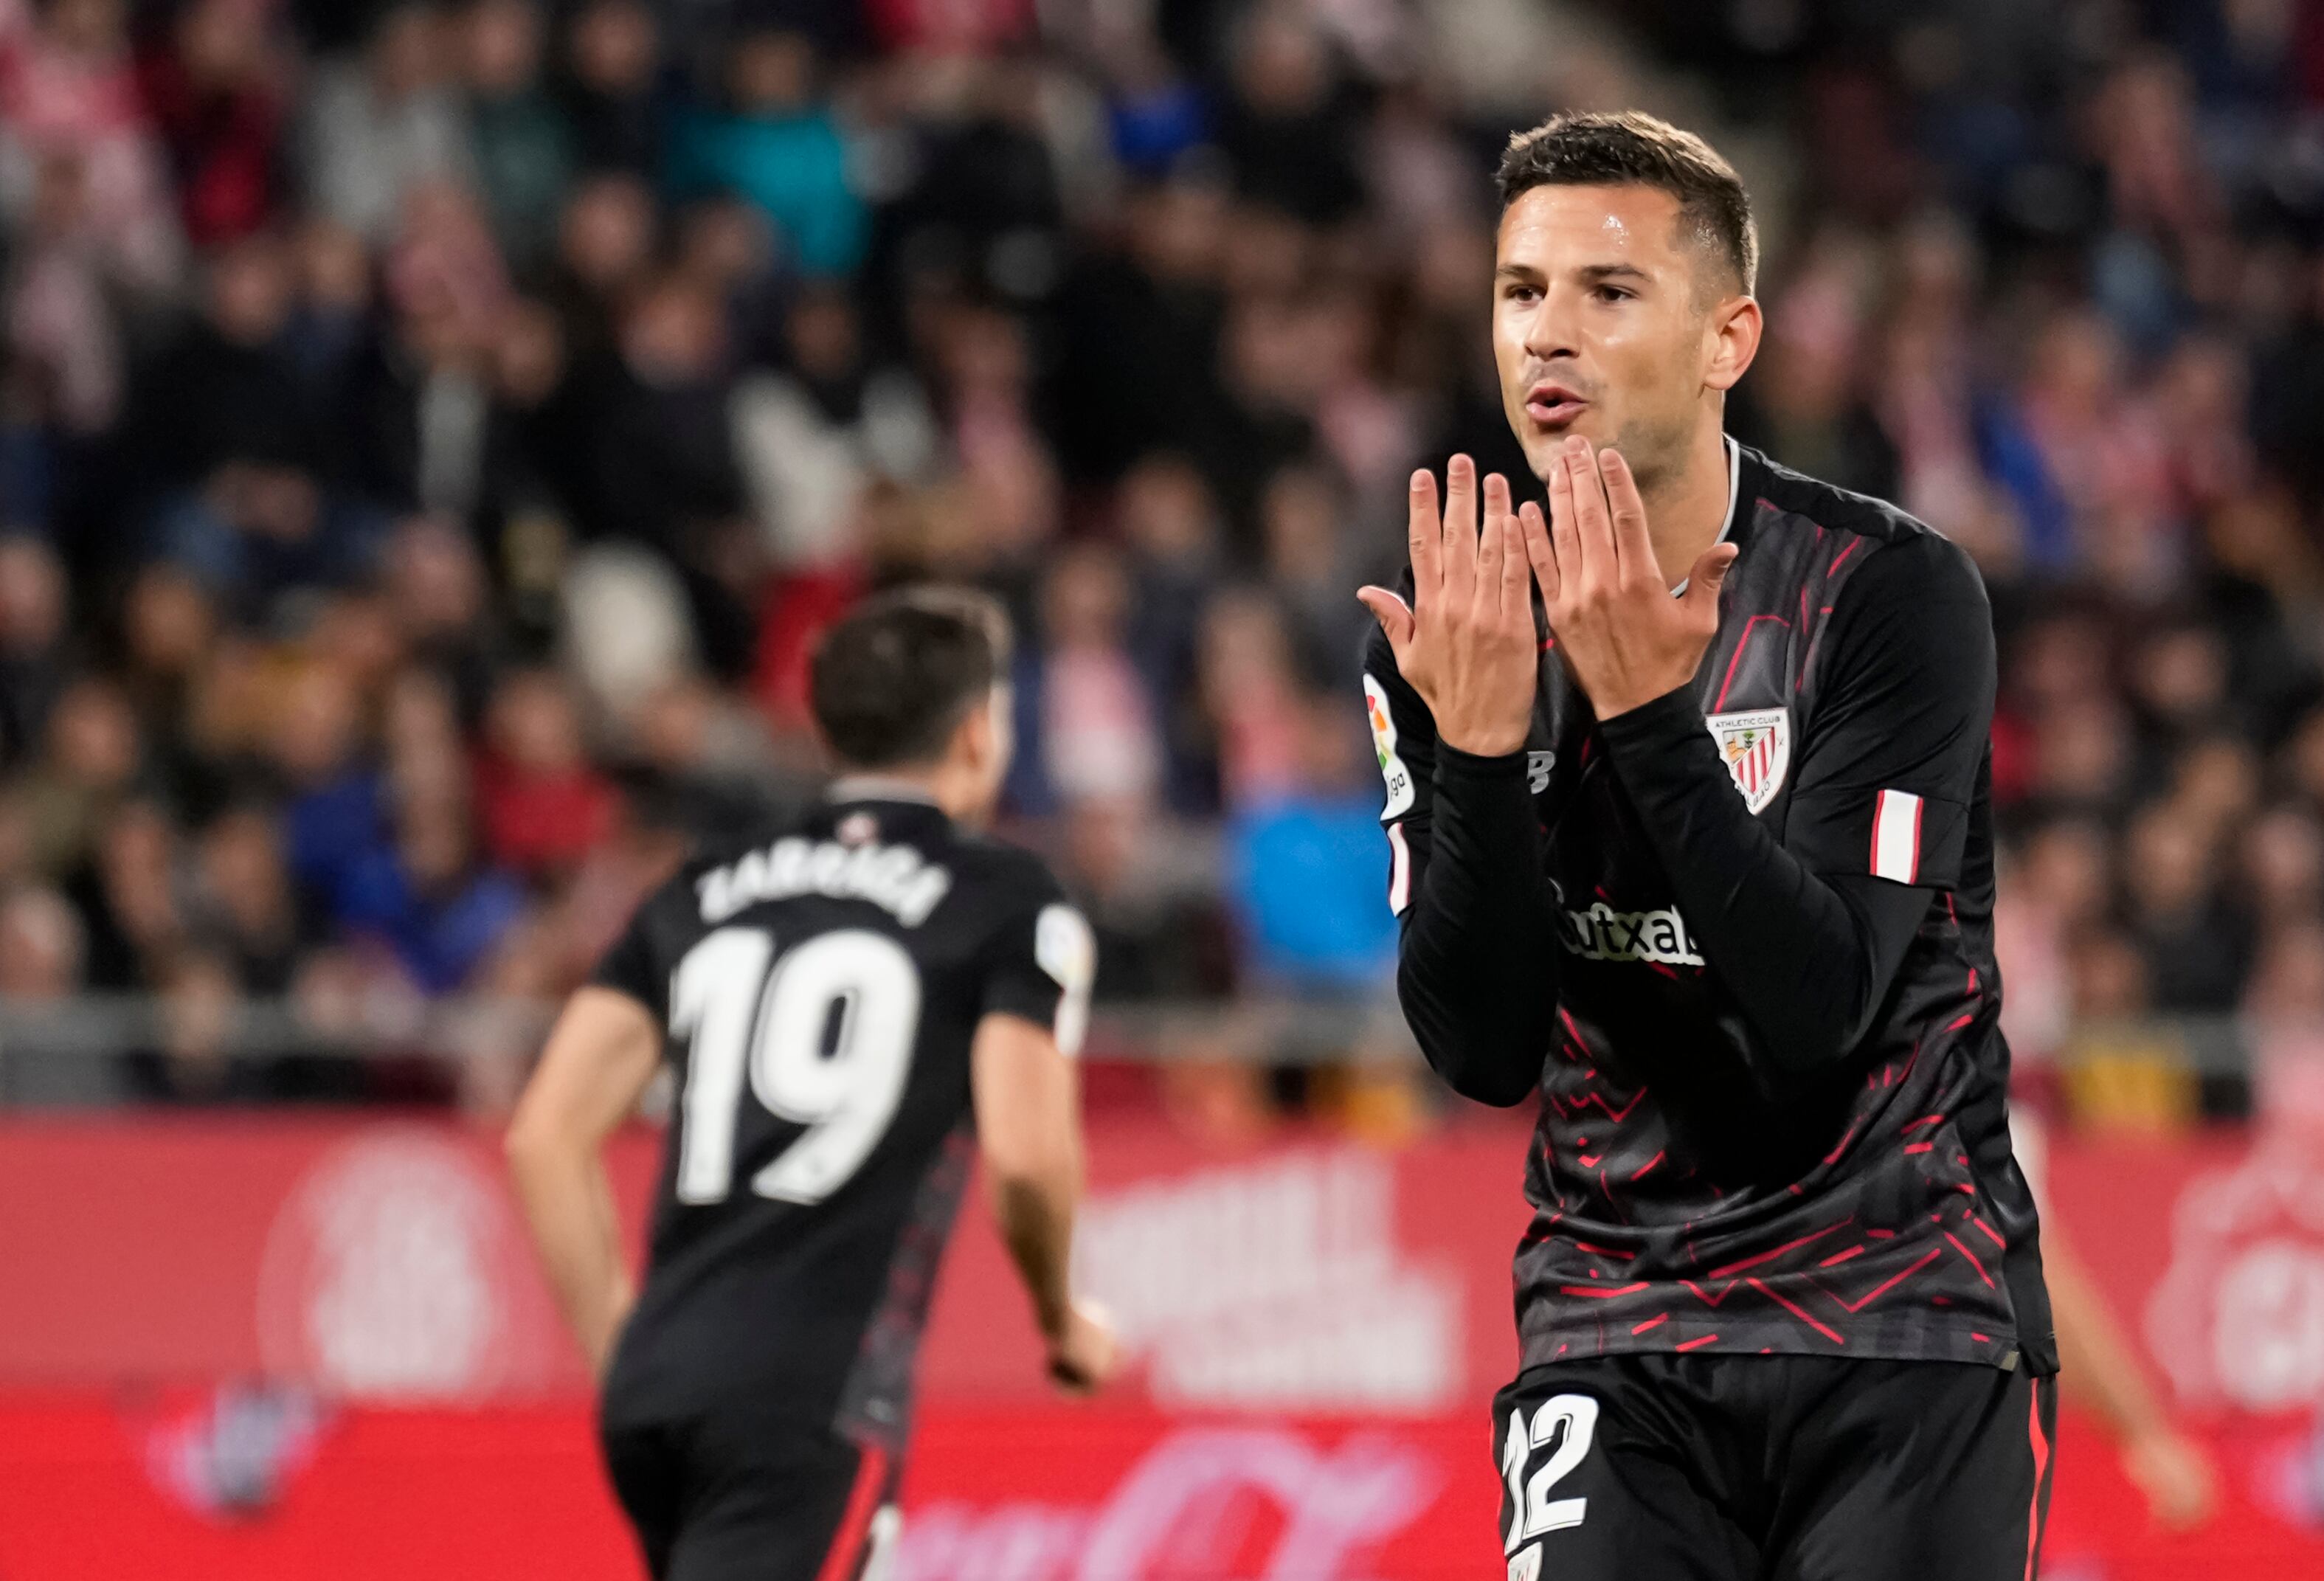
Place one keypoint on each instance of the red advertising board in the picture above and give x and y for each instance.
(148, 1488)
(384, 1260)
(1314, 1326)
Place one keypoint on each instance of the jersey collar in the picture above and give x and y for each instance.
(876, 788)
(1734, 489)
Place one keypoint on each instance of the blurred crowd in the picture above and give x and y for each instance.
(431, 434)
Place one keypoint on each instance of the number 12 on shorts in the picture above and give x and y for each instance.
(1565, 1424)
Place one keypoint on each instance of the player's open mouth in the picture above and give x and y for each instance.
(1553, 405)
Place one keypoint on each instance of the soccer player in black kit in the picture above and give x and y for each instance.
(849, 1005)
(1696, 845)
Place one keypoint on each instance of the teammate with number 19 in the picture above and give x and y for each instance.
(849, 1006)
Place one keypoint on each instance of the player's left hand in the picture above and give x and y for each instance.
(1626, 640)
(1084, 1354)
(2176, 1475)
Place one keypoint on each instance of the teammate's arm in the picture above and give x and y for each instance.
(1039, 970)
(2099, 1369)
(1028, 1131)
(601, 1054)
(1808, 932)
(1476, 964)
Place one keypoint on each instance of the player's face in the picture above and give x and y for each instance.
(1607, 322)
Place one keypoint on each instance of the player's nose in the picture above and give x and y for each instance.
(1551, 336)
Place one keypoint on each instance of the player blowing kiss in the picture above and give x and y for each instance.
(848, 1005)
(1701, 852)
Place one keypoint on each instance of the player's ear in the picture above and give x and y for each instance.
(985, 736)
(1731, 333)
(1003, 712)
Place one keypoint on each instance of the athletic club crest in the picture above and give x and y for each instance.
(1757, 749)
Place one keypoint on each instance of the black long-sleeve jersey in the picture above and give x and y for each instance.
(1740, 941)
(819, 990)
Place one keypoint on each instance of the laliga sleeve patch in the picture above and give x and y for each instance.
(1392, 769)
(1063, 948)
(1896, 837)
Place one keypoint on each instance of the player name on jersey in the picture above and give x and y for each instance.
(895, 878)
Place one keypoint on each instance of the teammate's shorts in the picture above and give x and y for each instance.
(1662, 1467)
(729, 1498)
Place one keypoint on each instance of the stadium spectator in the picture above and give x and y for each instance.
(244, 897)
(34, 659)
(1093, 732)
(522, 146)
(215, 89)
(378, 125)
(1305, 865)
(811, 436)
(614, 92)
(427, 899)
(540, 805)
(43, 948)
(776, 143)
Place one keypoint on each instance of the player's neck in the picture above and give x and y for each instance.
(1686, 510)
(950, 788)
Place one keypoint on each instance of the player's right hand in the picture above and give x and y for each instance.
(1084, 1355)
(1467, 644)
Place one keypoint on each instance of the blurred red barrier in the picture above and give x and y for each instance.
(1053, 1494)
(91, 1488)
(1315, 1325)
(2212, 1251)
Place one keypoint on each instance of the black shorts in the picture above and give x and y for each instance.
(1666, 1467)
(733, 1499)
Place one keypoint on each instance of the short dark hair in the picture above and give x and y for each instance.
(892, 680)
(1629, 146)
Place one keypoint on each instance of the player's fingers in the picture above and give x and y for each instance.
(1492, 549)
(1634, 549)
(1514, 561)
(1701, 599)
(1593, 530)
(1539, 552)
(1394, 619)
(1564, 534)
(1459, 538)
(1491, 552)
(1422, 535)
(1496, 496)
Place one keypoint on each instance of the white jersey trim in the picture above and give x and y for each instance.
(1734, 487)
(1896, 837)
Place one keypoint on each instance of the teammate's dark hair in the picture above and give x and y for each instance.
(1618, 149)
(894, 678)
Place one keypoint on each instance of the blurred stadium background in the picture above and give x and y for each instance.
(429, 435)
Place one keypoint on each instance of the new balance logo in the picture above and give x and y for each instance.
(1603, 934)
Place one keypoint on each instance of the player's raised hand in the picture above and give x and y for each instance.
(1626, 640)
(1085, 1354)
(1467, 644)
